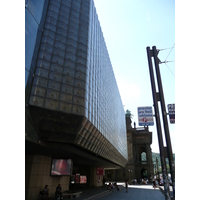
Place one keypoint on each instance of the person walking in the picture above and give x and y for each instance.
(104, 181)
(154, 184)
(126, 185)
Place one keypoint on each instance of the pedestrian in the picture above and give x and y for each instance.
(104, 181)
(110, 186)
(154, 184)
(58, 192)
(126, 184)
(45, 192)
(116, 186)
(113, 186)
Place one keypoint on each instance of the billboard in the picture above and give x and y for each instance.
(145, 116)
(61, 167)
(171, 111)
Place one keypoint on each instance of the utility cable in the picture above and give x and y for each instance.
(167, 57)
(169, 69)
(169, 52)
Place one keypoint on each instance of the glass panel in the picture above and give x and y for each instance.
(68, 72)
(49, 33)
(65, 107)
(40, 81)
(55, 76)
(26, 76)
(46, 47)
(66, 97)
(52, 94)
(31, 28)
(56, 68)
(67, 88)
(39, 91)
(54, 85)
(51, 104)
(36, 8)
(36, 101)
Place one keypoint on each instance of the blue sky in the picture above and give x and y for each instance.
(129, 26)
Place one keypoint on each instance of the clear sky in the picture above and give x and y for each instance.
(129, 26)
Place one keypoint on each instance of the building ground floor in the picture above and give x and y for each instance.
(37, 175)
(130, 172)
(38, 168)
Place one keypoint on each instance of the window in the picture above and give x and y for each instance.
(143, 157)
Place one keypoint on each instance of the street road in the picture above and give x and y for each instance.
(135, 192)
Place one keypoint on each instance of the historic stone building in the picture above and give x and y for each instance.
(139, 155)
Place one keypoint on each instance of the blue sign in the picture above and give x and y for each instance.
(145, 116)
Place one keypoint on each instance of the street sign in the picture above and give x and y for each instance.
(171, 111)
(145, 116)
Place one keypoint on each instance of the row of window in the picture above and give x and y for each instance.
(60, 77)
(109, 87)
(56, 80)
(65, 11)
(61, 58)
(65, 86)
(69, 69)
(54, 94)
(56, 105)
(71, 39)
(61, 48)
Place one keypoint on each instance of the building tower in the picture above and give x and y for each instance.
(73, 106)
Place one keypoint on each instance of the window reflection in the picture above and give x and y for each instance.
(30, 36)
(36, 8)
(73, 57)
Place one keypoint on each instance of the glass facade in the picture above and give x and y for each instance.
(74, 76)
(34, 14)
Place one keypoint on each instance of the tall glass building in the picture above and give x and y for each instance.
(72, 95)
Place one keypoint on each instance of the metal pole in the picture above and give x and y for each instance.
(158, 125)
(165, 122)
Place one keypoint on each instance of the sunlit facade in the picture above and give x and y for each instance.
(71, 91)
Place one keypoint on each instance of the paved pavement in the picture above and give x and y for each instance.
(135, 192)
(170, 188)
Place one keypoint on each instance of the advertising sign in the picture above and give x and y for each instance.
(99, 171)
(83, 179)
(61, 167)
(171, 111)
(145, 116)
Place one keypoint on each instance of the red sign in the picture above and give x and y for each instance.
(83, 179)
(99, 171)
(77, 178)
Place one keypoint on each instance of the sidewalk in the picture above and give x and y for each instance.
(93, 193)
(171, 191)
(135, 192)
